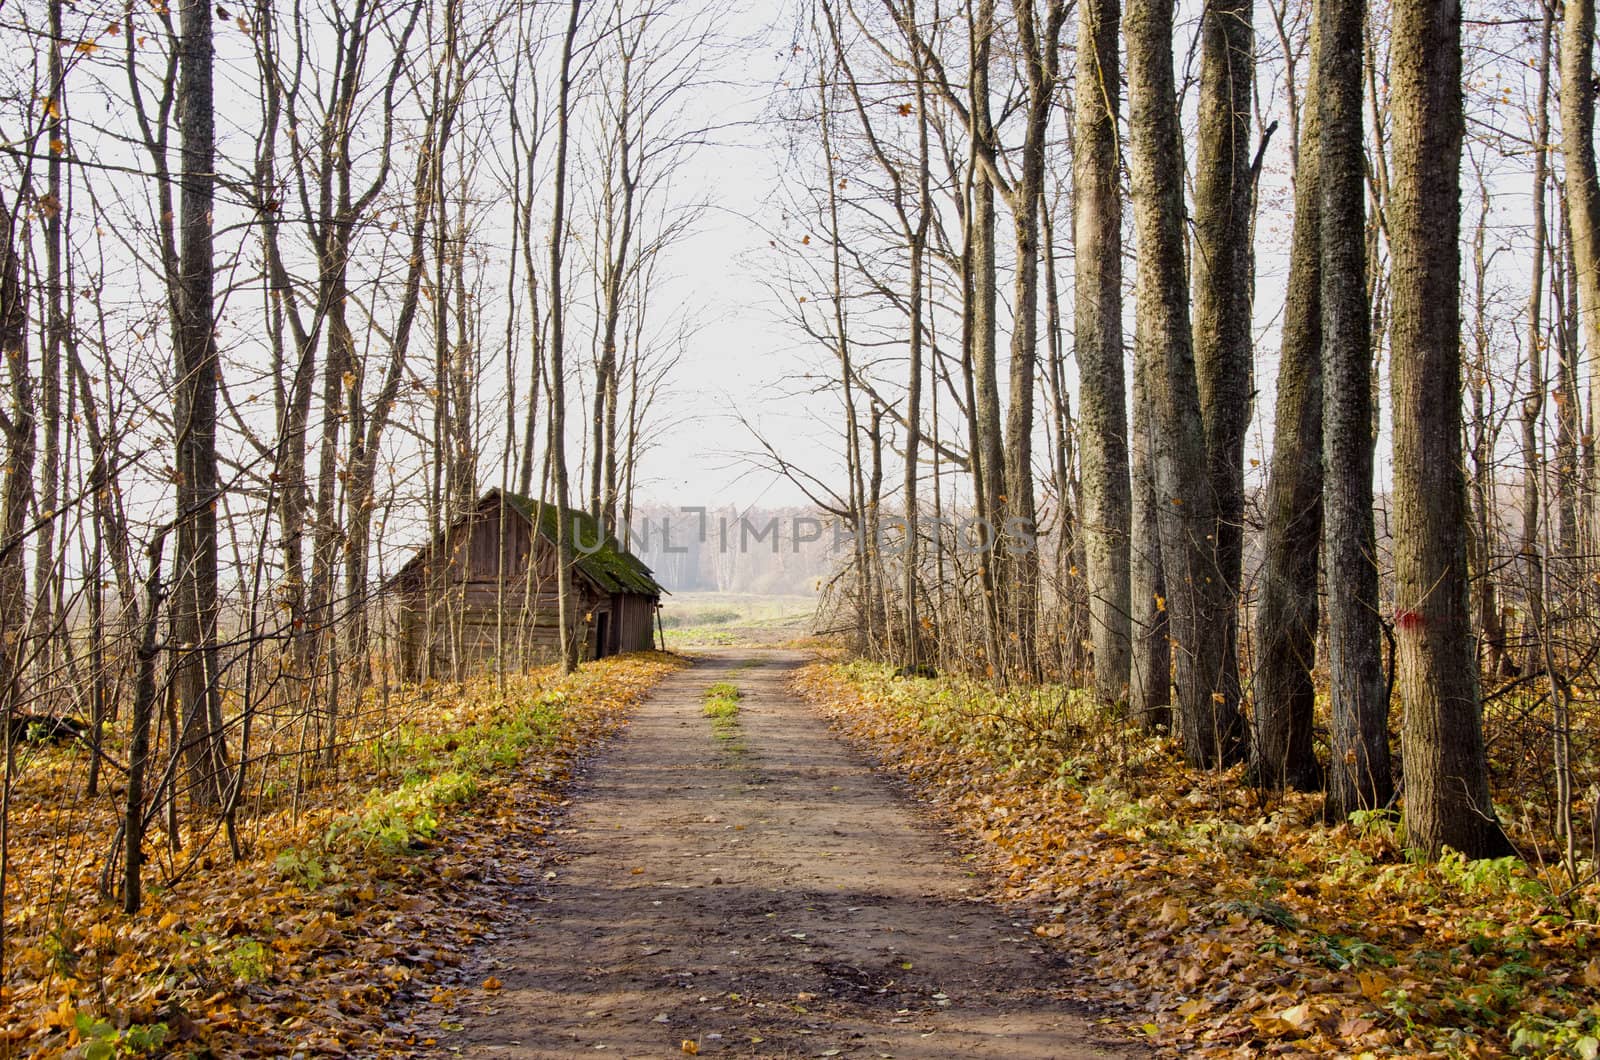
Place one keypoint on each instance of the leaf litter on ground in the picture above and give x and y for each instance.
(372, 892)
(1222, 922)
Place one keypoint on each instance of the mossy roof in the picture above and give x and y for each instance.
(599, 556)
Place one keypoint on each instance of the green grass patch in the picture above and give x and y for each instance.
(437, 771)
(722, 707)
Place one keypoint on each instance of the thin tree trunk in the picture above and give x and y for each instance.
(1040, 51)
(990, 452)
(558, 399)
(1533, 404)
(1568, 404)
(17, 498)
(144, 708)
(1485, 433)
(1151, 657)
(195, 609)
(911, 656)
(46, 562)
(1359, 773)
(1288, 609)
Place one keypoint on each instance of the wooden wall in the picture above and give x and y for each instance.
(466, 632)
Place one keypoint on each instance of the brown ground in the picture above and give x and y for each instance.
(764, 894)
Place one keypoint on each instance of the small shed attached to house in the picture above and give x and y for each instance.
(485, 589)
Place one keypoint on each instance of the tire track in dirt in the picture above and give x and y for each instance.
(762, 892)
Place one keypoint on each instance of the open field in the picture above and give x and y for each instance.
(698, 619)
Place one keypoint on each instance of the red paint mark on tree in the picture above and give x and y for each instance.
(1408, 619)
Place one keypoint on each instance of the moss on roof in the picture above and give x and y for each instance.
(598, 556)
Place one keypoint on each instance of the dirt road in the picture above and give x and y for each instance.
(759, 891)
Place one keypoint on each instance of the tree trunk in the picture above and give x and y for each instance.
(911, 656)
(1222, 266)
(1583, 191)
(1097, 343)
(1533, 404)
(1447, 784)
(990, 453)
(146, 657)
(1151, 657)
(1040, 49)
(558, 401)
(1483, 441)
(194, 608)
(51, 496)
(1198, 601)
(20, 428)
(1359, 774)
(1287, 612)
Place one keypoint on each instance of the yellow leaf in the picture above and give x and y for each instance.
(1297, 1016)
(1373, 986)
(492, 983)
(690, 1046)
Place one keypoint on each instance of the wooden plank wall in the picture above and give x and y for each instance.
(470, 596)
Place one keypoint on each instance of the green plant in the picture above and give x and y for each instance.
(250, 961)
(1536, 1035)
(102, 1041)
(302, 867)
(1489, 876)
(402, 820)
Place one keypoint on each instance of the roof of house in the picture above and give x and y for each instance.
(600, 558)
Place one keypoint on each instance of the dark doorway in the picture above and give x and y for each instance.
(602, 634)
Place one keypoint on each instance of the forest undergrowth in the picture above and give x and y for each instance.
(1226, 922)
(349, 890)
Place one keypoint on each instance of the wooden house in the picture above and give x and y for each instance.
(485, 588)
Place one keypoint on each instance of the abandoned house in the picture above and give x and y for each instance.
(485, 589)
